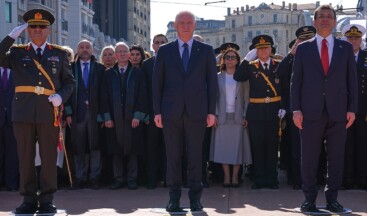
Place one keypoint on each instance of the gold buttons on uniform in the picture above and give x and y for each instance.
(39, 83)
(40, 74)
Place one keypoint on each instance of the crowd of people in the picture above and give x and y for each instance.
(132, 120)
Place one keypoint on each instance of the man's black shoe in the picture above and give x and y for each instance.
(256, 186)
(94, 183)
(117, 185)
(308, 207)
(195, 205)
(274, 186)
(47, 208)
(173, 206)
(26, 208)
(335, 207)
(132, 185)
(78, 184)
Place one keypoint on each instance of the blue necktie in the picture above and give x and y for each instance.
(86, 73)
(185, 56)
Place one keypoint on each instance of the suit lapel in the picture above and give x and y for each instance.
(194, 55)
(316, 55)
(176, 56)
(337, 52)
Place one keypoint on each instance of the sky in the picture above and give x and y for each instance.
(164, 11)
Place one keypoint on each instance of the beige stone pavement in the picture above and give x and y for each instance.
(216, 200)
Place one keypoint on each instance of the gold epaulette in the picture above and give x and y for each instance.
(254, 62)
(57, 47)
(20, 46)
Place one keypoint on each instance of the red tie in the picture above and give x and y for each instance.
(325, 56)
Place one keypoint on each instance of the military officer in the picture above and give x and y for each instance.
(43, 81)
(263, 110)
(290, 146)
(355, 162)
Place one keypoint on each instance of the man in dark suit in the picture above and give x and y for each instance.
(355, 162)
(43, 80)
(81, 113)
(324, 103)
(154, 136)
(9, 165)
(184, 96)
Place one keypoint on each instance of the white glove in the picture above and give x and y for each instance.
(17, 31)
(252, 55)
(55, 99)
(281, 113)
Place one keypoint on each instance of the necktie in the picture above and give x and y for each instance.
(325, 56)
(185, 56)
(121, 71)
(86, 73)
(4, 79)
(39, 54)
(266, 66)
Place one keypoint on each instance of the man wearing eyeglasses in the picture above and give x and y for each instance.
(43, 81)
(324, 103)
(154, 136)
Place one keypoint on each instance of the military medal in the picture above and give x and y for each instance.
(54, 70)
(276, 80)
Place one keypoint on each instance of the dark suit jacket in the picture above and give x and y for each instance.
(30, 107)
(6, 98)
(311, 91)
(147, 70)
(175, 90)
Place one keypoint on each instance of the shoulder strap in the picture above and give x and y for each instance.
(270, 84)
(39, 66)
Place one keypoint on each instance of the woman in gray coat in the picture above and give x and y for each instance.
(230, 141)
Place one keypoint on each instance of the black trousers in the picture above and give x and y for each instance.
(9, 165)
(355, 160)
(312, 136)
(177, 133)
(264, 144)
(27, 134)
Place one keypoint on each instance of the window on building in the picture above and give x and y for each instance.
(233, 38)
(217, 42)
(275, 32)
(275, 18)
(224, 40)
(8, 12)
(250, 20)
(208, 41)
(250, 35)
(233, 23)
(266, 32)
(286, 34)
(258, 33)
(287, 19)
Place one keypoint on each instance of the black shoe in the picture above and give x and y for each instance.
(205, 184)
(235, 185)
(335, 207)
(296, 187)
(117, 185)
(78, 184)
(226, 185)
(173, 206)
(195, 205)
(274, 186)
(94, 183)
(47, 208)
(131, 185)
(308, 207)
(151, 186)
(12, 189)
(26, 208)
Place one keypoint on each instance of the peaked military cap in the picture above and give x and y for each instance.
(353, 30)
(306, 32)
(38, 17)
(262, 41)
(225, 46)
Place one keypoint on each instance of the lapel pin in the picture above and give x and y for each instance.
(341, 46)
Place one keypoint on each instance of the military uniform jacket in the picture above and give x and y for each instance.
(30, 107)
(92, 92)
(362, 82)
(259, 88)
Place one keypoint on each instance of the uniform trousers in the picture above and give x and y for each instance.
(27, 135)
(120, 162)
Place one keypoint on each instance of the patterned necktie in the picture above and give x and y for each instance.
(185, 56)
(325, 56)
(86, 73)
(39, 53)
(4, 79)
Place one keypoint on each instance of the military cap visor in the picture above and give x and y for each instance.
(353, 30)
(38, 17)
(305, 32)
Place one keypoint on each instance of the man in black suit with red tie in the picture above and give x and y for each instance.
(184, 95)
(324, 103)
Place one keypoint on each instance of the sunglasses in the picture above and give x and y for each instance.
(159, 42)
(37, 26)
(229, 57)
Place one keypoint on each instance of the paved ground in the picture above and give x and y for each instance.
(216, 200)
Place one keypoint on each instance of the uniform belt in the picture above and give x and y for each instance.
(34, 89)
(265, 100)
